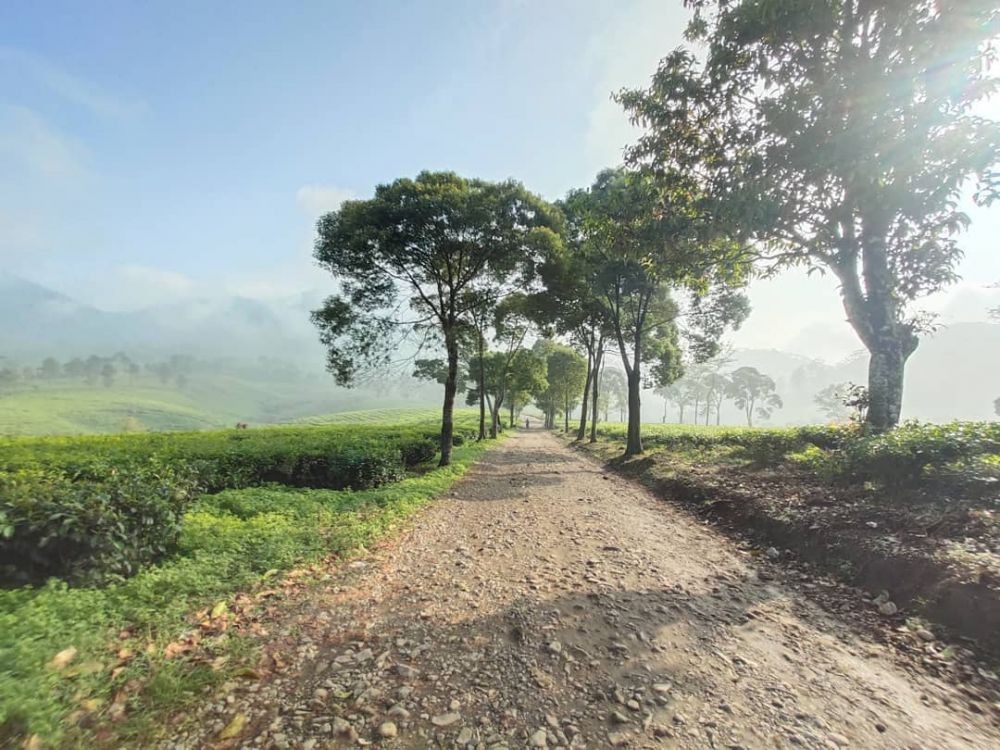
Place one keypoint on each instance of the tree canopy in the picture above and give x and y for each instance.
(424, 243)
(839, 135)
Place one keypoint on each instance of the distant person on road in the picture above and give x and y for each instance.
(527, 424)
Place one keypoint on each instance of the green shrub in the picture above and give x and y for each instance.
(86, 529)
(897, 459)
(228, 542)
(907, 455)
(416, 452)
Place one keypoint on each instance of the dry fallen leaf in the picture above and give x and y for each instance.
(63, 658)
(234, 727)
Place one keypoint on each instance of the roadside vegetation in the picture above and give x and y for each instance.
(131, 564)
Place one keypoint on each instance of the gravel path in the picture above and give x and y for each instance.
(545, 603)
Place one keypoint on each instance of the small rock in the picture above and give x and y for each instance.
(341, 726)
(773, 553)
(406, 672)
(399, 712)
(555, 647)
(445, 720)
(924, 634)
(464, 737)
(888, 609)
(387, 729)
(538, 739)
(619, 739)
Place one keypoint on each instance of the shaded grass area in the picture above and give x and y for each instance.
(77, 661)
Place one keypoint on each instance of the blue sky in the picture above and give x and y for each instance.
(154, 150)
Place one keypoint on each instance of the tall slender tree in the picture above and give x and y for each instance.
(644, 238)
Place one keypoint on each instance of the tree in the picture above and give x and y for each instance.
(646, 238)
(50, 368)
(433, 239)
(614, 386)
(570, 304)
(565, 373)
(830, 400)
(754, 393)
(108, 373)
(528, 374)
(840, 134)
(9, 377)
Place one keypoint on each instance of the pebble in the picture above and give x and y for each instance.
(387, 729)
(539, 739)
(445, 720)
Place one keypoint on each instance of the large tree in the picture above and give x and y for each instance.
(427, 241)
(753, 392)
(644, 240)
(841, 134)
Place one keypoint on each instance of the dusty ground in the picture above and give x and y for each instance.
(547, 604)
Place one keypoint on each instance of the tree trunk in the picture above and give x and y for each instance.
(874, 313)
(495, 417)
(448, 410)
(512, 413)
(664, 420)
(597, 381)
(581, 432)
(680, 413)
(566, 413)
(482, 390)
(885, 385)
(633, 445)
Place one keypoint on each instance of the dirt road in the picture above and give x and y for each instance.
(547, 604)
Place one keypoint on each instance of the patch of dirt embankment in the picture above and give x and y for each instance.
(913, 569)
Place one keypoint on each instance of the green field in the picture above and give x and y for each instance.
(141, 531)
(65, 407)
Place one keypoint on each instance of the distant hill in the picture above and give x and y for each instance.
(36, 322)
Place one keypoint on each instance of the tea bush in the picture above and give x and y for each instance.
(899, 458)
(87, 529)
(227, 542)
(88, 509)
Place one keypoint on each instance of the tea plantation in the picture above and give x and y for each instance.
(109, 543)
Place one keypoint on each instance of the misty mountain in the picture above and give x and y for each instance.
(954, 374)
(36, 322)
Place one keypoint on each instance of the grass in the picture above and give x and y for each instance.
(81, 410)
(395, 416)
(124, 673)
(206, 401)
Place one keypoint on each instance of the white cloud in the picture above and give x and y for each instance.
(320, 199)
(70, 87)
(28, 142)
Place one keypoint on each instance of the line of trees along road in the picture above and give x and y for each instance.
(837, 136)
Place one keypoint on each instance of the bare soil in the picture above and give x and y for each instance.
(548, 603)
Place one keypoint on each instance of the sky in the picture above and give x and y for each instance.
(151, 152)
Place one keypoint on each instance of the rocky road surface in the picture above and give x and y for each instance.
(545, 603)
